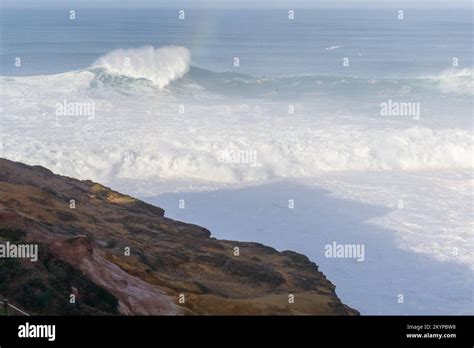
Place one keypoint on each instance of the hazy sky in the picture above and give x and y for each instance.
(239, 3)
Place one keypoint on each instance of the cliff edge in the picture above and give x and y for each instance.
(102, 252)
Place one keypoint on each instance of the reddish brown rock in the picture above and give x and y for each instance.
(167, 258)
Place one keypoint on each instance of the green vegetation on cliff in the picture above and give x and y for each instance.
(45, 286)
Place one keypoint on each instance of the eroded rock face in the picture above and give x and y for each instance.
(168, 259)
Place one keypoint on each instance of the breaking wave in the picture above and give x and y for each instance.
(159, 65)
(220, 158)
(163, 65)
(455, 81)
(141, 134)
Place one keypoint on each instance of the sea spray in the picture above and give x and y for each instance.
(159, 65)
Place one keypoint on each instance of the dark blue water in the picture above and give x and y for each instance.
(376, 42)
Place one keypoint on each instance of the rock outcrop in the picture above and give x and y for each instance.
(118, 255)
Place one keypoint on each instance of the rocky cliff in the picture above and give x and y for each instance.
(102, 252)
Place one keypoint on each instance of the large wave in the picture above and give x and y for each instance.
(169, 63)
(453, 81)
(137, 135)
(159, 65)
(129, 67)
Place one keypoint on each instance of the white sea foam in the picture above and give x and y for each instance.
(454, 80)
(144, 136)
(141, 143)
(184, 148)
(159, 65)
(330, 48)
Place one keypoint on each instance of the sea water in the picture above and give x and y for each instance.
(329, 126)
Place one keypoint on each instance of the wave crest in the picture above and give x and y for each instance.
(159, 65)
(455, 81)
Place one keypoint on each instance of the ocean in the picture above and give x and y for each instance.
(362, 118)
